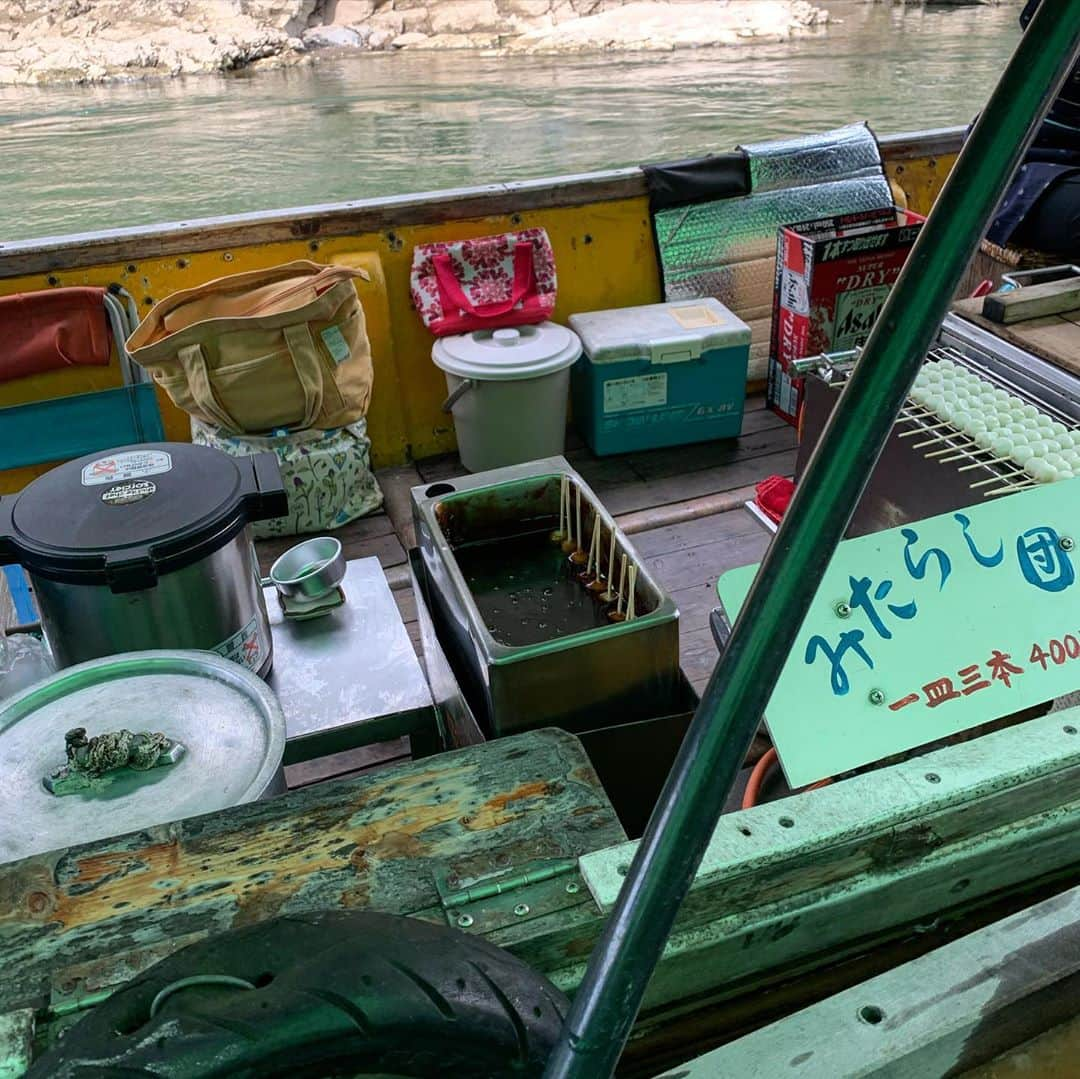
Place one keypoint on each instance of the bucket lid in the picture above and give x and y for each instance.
(511, 353)
(227, 720)
(124, 516)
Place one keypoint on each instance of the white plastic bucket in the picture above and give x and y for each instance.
(508, 392)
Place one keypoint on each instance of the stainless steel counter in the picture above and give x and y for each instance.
(350, 678)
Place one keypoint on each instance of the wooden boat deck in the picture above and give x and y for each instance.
(644, 491)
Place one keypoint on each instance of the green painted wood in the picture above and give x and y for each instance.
(934, 628)
(939, 1015)
(376, 842)
(863, 861)
(16, 1042)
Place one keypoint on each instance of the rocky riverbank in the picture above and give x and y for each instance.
(45, 41)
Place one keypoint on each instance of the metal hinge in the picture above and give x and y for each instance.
(516, 894)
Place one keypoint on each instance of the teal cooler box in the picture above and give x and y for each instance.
(660, 375)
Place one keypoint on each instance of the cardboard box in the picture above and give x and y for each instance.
(832, 278)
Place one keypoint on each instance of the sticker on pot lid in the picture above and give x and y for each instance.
(130, 465)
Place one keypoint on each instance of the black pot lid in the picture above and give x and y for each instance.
(124, 516)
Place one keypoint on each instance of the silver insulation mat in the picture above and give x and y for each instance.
(700, 245)
(849, 153)
(703, 248)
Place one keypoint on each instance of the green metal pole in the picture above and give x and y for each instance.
(668, 855)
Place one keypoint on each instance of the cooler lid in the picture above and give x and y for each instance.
(511, 353)
(661, 332)
(124, 516)
(226, 721)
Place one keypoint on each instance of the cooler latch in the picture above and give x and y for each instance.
(674, 349)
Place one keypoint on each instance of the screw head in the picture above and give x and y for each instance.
(464, 921)
(573, 888)
(842, 610)
(1066, 543)
(521, 909)
(877, 696)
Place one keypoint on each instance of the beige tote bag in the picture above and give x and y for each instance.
(284, 347)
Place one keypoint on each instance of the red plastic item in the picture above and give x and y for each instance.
(44, 331)
(984, 288)
(773, 495)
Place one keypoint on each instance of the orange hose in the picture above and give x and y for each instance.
(761, 770)
(757, 777)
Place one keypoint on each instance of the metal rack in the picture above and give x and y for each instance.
(1012, 371)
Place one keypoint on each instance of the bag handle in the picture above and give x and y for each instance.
(193, 361)
(453, 295)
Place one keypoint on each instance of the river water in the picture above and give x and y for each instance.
(359, 125)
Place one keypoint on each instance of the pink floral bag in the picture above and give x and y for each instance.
(484, 284)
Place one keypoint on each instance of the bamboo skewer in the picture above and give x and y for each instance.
(924, 430)
(1009, 488)
(995, 479)
(631, 603)
(594, 548)
(608, 595)
(560, 533)
(579, 556)
(617, 615)
(937, 440)
(568, 542)
(977, 464)
(965, 453)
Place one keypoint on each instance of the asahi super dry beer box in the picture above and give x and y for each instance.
(832, 278)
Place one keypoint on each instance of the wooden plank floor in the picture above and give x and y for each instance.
(686, 558)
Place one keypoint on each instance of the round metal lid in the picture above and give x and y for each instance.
(511, 353)
(228, 721)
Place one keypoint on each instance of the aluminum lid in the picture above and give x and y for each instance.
(228, 721)
(123, 516)
(513, 353)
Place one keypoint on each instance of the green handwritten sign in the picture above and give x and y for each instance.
(923, 631)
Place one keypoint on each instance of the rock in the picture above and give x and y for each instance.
(329, 37)
(96, 40)
(649, 25)
(467, 17)
(410, 41)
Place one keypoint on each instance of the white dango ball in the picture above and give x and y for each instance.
(1072, 459)
(1039, 448)
(1053, 446)
(985, 439)
(960, 418)
(1030, 411)
(1040, 471)
(1021, 453)
(1058, 429)
(974, 425)
(920, 395)
(1002, 447)
(1056, 460)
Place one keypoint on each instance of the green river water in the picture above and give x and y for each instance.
(81, 158)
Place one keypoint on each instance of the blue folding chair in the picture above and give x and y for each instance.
(59, 428)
